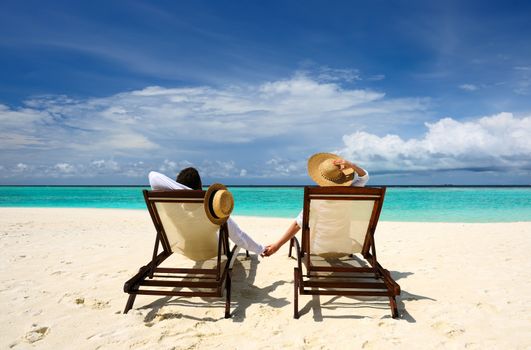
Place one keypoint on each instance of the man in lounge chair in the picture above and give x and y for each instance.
(189, 179)
(325, 169)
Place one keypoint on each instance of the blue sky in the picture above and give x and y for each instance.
(102, 92)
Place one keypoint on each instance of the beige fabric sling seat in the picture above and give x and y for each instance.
(337, 254)
(182, 227)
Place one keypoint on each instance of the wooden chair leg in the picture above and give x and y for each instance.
(394, 308)
(296, 293)
(227, 301)
(291, 242)
(129, 303)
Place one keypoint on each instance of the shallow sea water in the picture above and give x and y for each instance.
(423, 204)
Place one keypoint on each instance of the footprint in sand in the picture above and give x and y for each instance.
(449, 330)
(99, 304)
(168, 315)
(385, 324)
(36, 334)
(92, 303)
(65, 295)
(486, 307)
(367, 345)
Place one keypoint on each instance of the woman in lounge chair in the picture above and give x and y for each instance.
(325, 169)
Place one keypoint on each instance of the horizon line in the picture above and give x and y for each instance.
(229, 185)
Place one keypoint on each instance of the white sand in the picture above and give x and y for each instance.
(62, 275)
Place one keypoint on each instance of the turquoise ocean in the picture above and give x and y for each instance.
(423, 204)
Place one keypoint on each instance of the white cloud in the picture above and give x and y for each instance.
(490, 142)
(170, 166)
(80, 170)
(105, 165)
(468, 87)
(195, 125)
(279, 167)
(220, 169)
(240, 131)
(64, 168)
(20, 128)
(21, 167)
(155, 118)
(207, 168)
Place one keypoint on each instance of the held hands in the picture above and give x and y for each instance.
(273, 248)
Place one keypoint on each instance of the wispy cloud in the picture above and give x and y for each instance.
(468, 87)
(376, 77)
(328, 74)
(522, 85)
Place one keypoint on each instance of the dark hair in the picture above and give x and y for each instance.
(190, 177)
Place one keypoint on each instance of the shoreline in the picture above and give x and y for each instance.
(282, 186)
(136, 210)
(63, 270)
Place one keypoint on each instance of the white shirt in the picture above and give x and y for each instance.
(359, 181)
(159, 181)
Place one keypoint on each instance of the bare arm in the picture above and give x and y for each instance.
(273, 248)
(345, 164)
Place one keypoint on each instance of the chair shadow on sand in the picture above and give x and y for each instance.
(244, 294)
(359, 302)
(247, 294)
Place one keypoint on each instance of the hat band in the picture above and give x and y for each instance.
(211, 206)
(334, 179)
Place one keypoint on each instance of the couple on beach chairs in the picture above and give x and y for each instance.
(337, 249)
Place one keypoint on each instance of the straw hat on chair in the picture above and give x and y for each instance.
(218, 203)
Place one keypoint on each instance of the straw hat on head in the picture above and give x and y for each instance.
(324, 172)
(218, 203)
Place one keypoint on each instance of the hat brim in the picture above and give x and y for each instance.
(315, 173)
(209, 210)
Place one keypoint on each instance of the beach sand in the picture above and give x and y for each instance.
(63, 270)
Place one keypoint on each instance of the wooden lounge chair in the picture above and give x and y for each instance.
(337, 255)
(183, 227)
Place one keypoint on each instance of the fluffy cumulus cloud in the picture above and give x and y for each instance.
(490, 143)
